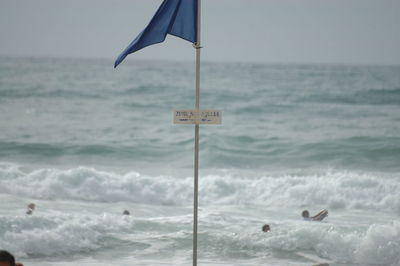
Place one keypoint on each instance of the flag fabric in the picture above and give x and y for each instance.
(175, 17)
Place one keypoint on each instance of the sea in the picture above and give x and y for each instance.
(85, 141)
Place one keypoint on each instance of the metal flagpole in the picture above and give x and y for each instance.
(196, 134)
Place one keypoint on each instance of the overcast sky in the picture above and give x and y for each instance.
(305, 31)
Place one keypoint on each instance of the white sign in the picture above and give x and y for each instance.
(193, 116)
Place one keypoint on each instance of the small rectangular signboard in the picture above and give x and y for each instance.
(193, 116)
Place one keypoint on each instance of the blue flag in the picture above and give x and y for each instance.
(175, 17)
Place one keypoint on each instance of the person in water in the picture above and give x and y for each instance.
(126, 212)
(318, 217)
(31, 208)
(7, 259)
(265, 228)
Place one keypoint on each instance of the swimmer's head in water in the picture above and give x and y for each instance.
(305, 214)
(31, 208)
(266, 228)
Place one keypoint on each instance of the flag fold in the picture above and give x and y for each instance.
(174, 17)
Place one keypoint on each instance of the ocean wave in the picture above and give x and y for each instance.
(388, 96)
(49, 151)
(375, 245)
(66, 235)
(41, 93)
(370, 153)
(358, 152)
(333, 189)
(59, 234)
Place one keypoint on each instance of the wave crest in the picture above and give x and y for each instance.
(331, 189)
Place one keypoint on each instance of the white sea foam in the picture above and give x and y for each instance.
(68, 234)
(378, 245)
(83, 220)
(341, 190)
(60, 234)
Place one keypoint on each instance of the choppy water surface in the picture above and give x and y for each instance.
(84, 142)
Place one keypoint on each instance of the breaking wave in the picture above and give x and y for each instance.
(335, 189)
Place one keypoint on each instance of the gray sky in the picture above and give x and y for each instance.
(305, 31)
